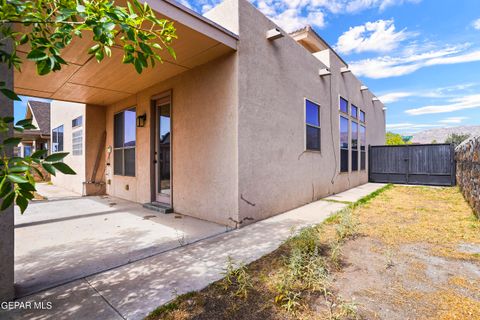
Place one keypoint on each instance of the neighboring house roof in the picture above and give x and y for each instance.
(40, 115)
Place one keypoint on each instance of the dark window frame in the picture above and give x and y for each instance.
(123, 149)
(313, 126)
(77, 122)
(344, 150)
(363, 147)
(340, 105)
(355, 145)
(58, 140)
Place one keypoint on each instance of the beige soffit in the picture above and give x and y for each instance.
(86, 81)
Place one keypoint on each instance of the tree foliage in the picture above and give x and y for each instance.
(394, 139)
(43, 29)
(457, 139)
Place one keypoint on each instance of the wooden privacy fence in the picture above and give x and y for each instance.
(427, 164)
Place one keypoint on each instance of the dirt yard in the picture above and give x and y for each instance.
(407, 253)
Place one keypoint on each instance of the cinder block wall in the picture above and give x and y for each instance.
(468, 171)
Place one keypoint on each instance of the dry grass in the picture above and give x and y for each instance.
(436, 216)
(408, 257)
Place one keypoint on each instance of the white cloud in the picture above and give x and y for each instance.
(395, 96)
(359, 5)
(388, 66)
(453, 120)
(295, 14)
(437, 93)
(455, 104)
(476, 24)
(410, 126)
(378, 36)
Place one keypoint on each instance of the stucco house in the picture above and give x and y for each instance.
(37, 139)
(247, 123)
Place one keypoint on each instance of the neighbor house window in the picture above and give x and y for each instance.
(354, 146)
(312, 120)
(343, 144)
(363, 146)
(27, 151)
(343, 105)
(77, 122)
(57, 139)
(77, 142)
(124, 127)
(354, 112)
(362, 116)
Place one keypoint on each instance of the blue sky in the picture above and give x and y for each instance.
(422, 57)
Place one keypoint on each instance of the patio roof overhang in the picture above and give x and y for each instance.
(84, 80)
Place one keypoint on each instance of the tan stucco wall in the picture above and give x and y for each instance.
(204, 116)
(275, 172)
(62, 113)
(94, 123)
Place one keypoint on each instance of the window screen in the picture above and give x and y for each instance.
(77, 142)
(124, 143)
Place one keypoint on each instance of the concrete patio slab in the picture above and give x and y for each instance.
(53, 192)
(355, 194)
(134, 290)
(60, 241)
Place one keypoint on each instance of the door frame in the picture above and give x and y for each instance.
(153, 144)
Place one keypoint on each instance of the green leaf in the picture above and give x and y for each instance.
(23, 39)
(27, 187)
(19, 169)
(6, 188)
(12, 141)
(99, 55)
(23, 122)
(54, 157)
(145, 48)
(37, 55)
(172, 52)
(7, 201)
(22, 203)
(138, 66)
(49, 168)
(8, 119)
(10, 94)
(17, 178)
(94, 49)
(39, 153)
(64, 168)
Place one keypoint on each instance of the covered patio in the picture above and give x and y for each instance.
(63, 240)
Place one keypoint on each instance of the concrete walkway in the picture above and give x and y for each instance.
(53, 192)
(134, 290)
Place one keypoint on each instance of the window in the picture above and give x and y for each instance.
(27, 151)
(354, 112)
(362, 116)
(57, 139)
(124, 127)
(77, 122)
(312, 120)
(77, 142)
(354, 146)
(343, 105)
(363, 145)
(343, 144)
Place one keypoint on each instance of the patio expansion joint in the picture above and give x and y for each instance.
(104, 299)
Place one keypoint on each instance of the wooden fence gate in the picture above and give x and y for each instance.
(427, 164)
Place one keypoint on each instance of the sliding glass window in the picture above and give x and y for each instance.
(124, 143)
(363, 147)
